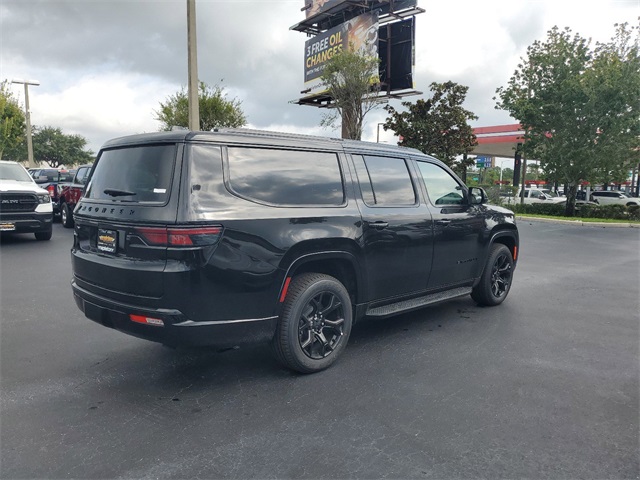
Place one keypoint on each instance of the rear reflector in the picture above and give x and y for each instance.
(515, 253)
(156, 322)
(180, 236)
(285, 289)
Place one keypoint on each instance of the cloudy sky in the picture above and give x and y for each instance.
(104, 66)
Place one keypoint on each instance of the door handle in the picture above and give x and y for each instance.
(379, 225)
(443, 222)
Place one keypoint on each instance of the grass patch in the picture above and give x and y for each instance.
(577, 219)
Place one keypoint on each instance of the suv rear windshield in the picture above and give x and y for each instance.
(134, 174)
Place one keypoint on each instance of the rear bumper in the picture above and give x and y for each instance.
(26, 222)
(178, 330)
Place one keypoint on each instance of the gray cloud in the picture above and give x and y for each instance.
(245, 44)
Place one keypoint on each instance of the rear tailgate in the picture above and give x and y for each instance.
(131, 190)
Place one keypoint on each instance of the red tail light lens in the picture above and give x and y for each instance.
(52, 190)
(180, 236)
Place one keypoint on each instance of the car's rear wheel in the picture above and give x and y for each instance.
(66, 217)
(495, 282)
(315, 324)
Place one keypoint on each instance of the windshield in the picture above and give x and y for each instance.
(13, 171)
(134, 174)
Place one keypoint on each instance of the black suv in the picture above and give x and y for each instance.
(235, 236)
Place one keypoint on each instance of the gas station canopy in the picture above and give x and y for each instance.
(498, 140)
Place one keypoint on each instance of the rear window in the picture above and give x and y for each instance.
(51, 175)
(286, 177)
(66, 176)
(134, 174)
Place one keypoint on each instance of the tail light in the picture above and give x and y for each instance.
(180, 236)
(52, 190)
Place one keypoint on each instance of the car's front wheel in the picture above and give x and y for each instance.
(495, 282)
(42, 236)
(315, 323)
(66, 217)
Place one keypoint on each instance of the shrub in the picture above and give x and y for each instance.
(553, 209)
(613, 212)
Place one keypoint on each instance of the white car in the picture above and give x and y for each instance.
(536, 195)
(24, 206)
(614, 197)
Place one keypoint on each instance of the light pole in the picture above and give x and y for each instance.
(28, 117)
(378, 133)
(192, 60)
(501, 172)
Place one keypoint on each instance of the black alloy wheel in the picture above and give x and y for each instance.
(315, 323)
(501, 273)
(495, 282)
(320, 325)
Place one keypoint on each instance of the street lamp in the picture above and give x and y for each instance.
(28, 117)
(501, 172)
(378, 133)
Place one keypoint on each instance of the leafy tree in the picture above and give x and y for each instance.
(215, 109)
(579, 106)
(436, 126)
(12, 123)
(352, 81)
(56, 148)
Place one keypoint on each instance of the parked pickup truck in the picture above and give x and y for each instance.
(52, 180)
(71, 193)
(535, 195)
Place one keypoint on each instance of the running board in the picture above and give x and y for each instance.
(414, 303)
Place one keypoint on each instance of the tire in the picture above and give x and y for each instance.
(496, 278)
(315, 323)
(66, 216)
(42, 236)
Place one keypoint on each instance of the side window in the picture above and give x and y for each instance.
(82, 176)
(536, 194)
(286, 177)
(442, 188)
(384, 181)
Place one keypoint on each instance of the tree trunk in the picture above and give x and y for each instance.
(570, 209)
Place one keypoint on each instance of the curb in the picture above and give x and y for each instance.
(579, 223)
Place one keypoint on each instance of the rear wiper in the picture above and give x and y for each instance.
(118, 193)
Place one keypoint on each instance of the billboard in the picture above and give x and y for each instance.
(359, 34)
(396, 41)
(314, 7)
(336, 11)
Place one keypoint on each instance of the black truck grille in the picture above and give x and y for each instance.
(18, 202)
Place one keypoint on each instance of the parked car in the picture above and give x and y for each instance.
(582, 195)
(51, 179)
(234, 236)
(614, 197)
(71, 193)
(24, 206)
(534, 195)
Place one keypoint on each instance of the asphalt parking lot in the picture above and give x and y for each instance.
(544, 386)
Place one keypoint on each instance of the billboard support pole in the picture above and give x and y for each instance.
(388, 59)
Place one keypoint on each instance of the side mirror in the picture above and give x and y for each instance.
(42, 179)
(477, 196)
